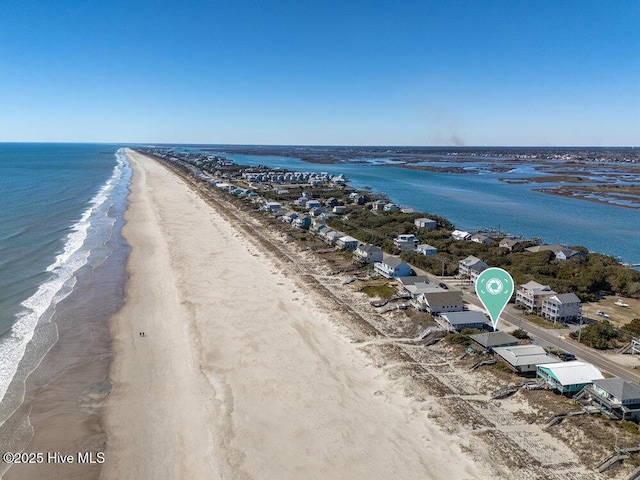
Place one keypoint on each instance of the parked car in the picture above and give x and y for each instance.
(443, 285)
(567, 357)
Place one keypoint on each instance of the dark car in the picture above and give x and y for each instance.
(567, 357)
(443, 285)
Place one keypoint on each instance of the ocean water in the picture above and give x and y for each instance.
(475, 201)
(61, 209)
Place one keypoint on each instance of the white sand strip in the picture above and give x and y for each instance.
(241, 375)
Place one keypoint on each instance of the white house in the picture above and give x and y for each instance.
(406, 242)
(272, 207)
(562, 307)
(391, 207)
(524, 358)
(508, 243)
(436, 302)
(339, 209)
(460, 235)
(531, 294)
(425, 249)
(368, 253)
(425, 223)
(481, 238)
(392, 267)
(471, 267)
(347, 242)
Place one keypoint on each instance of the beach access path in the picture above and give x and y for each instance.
(241, 373)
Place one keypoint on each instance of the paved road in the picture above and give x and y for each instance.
(557, 338)
(554, 337)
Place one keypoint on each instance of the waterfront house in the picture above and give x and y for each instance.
(562, 307)
(481, 238)
(425, 223)
(368, 253)
(391, 207)
(457, 321)
(424, 249)
(347, 242)
(491, 340)
(508, 243)
(461, 235)
(439, 301)
(471, 267)
(561, 252)
(378, 205)
(615, 397)
(392, 267)
(406, 242)
(568, 377)
(523, 359)
(531, 294)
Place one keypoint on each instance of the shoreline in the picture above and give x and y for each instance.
(271, 389)
(62, 378)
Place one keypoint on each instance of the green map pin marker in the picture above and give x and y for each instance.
(494, 287)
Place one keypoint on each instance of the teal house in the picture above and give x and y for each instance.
(568, 378)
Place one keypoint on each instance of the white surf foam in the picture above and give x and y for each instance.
(39, 306)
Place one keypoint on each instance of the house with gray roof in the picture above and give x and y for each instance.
(568, 377)
(523, 359)
(531, 294)
(561, 252)
(392, 267)
(562, 307)
(425, 223)
(368, 253)
(457, 321)
(615, 397)
(471, 267)
(508, 243)
(438, 301)
(490, 340)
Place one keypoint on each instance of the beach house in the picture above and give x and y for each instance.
(435, 302)
(531, 294)
(347, 242)
(457, 321)
(490, 340)
(523, 359)
(424, 249)
(615, 397)
(406, 242)
(471, 267)
(568, 377)
(508, 243)
(368, 253)
(461, 235)
(392, 267)
(562, 307)
(425, 223)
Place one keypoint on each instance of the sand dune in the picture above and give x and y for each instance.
(241, 374)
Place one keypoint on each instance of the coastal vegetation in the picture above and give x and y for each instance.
(589, 277)
(604, 335)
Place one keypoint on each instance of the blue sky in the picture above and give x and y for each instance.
(324, 73)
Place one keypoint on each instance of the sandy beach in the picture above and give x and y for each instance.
(240, 373)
